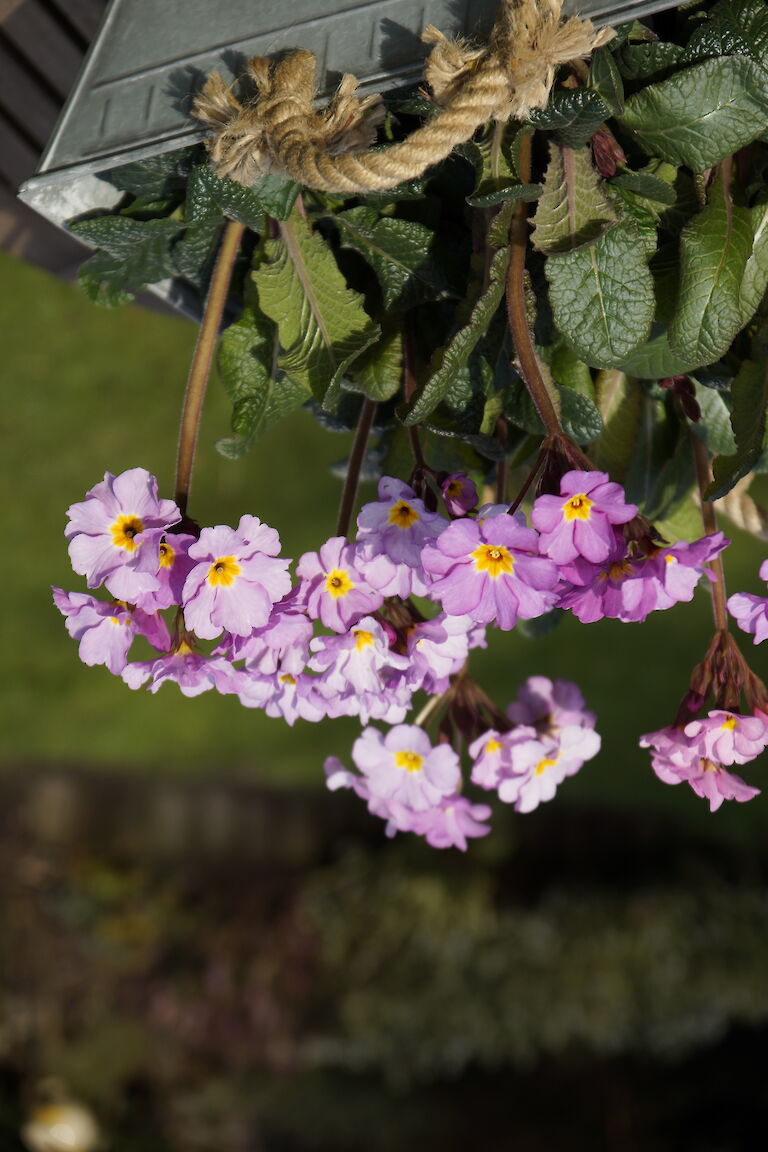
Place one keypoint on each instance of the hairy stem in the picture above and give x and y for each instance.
(516, 311)
(717, 587)
(356, 457)
(200, 368)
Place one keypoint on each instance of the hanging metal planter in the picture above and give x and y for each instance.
(132, 98)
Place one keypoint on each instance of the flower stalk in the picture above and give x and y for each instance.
(356, 457)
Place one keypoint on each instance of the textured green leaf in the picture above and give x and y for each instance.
(732, 28)
(574, 113)
(579, 416)
(194, 254)
(618, 400)
(573, 209)
(260, 392)
(276, 194)
(602, 297)
(645, 185)
(647, 61)
(714, 428)
(714, 249)
(497, 191)
(654, 445)
(567, 370)
(411, 262)
(210, 198)
(755, 280)
(379, 372)
(673, 483)
(450, 360)
(749, 396)
(654, 359)
(702, 114)
(134, 253)
(321, 322)
(157, 177)
(605, 79)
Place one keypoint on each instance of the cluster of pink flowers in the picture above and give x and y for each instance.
(230, 588)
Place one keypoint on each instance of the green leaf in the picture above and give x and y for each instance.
(448, 362)
(619, 402)
(497, 191)
(378, 373)
(673, 483)
(647, 61)
(135, 253)
(655, 360)
(645, 185)
(573, 209)
(261, 394)
(567, 370)
(733, 28)
(574, 113)
(755, 280)
(411, 262)
(602, 297)
(157, 177)
(210, 198)
(493, 157)
(702, 114)
(194, 254)
(322, 324)
(276, 194)
(749, 395)
(579, 416)
(714, 428)
(605, 79)
(714, 249)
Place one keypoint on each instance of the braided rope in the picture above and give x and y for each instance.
(280, 130)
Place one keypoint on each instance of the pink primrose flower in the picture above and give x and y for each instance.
(579, 522)
(459, 494)
(538, 765)
(236, 581)
(676, 759)
(548, 706)
(175, 564)
(397, 525)
(333, 588)
(105, 628)
(192, 672)
(490, 570)
(452, 822)
(751, 612)
(114, 534)
(403, 768)
(727, 737)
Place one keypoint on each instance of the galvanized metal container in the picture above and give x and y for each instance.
(132, 97)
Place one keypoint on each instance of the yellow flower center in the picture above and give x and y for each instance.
(167, 555)
(670, 559)
(542, 765)
(338, 583)
(362, 639)
(223, 571)
(454, 488)
(123, 531)
(578, 507)
(493, 746)
(402, 514)
(411, 761)
(117, 620)
(286, 678)
(493, 559)
(708, 765)
(730, 723)
(183, 649)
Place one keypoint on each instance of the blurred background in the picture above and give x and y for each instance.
(203, 951)
(207, 951)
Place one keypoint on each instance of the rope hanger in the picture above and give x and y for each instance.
(280, 130)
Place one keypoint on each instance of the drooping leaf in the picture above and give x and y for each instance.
(157, 177)
(134, 253)
(579, 416)
(276, 194)
(644, 184)
(260, 392)
(379, 372)
(714, 427)
(211, 198)
(449, 361)
(749, 395)
(494, 160)
(321, 322)
(573, 209)
(714, 249)
(195, 253)
(655, 442)
(602, 297)
(673, 483)
(618, 400)
(574, 113)
(605, 79)
(412, 263)
(754, 282)
(732, 28)
(702, 114)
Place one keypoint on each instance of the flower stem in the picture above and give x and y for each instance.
(200, 368)
(704, 476)
(356, 457)
(409, 387)
(516, 311)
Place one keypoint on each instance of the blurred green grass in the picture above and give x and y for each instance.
(88, 390)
